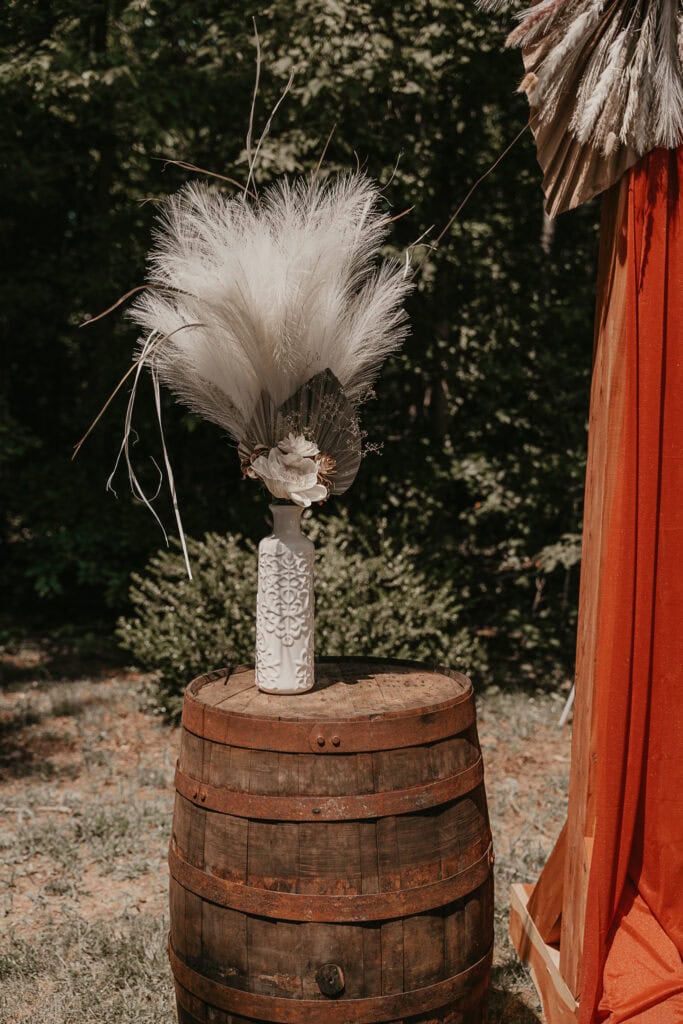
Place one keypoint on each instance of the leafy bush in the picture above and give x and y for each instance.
(372, 598)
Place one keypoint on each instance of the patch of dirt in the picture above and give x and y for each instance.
(86, 799)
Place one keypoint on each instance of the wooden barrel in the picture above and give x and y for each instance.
(331, 857)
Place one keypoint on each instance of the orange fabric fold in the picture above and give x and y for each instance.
(642, 978)
(633, 936)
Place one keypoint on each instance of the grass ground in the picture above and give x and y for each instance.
(86, 800)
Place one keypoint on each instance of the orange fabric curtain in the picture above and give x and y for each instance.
(633, 939)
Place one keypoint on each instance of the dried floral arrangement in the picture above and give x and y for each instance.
(618, 64)
(605, 84)
(270, 318)
(270, 315)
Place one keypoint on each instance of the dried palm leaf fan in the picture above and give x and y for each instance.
(604, 79)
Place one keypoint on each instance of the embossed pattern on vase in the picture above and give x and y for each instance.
(285, 607)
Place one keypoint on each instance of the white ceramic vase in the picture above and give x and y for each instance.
(285, 606)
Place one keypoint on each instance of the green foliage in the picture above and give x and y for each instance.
(483, 414)
(182, 628)
(372, 598)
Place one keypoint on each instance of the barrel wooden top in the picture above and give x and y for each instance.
(357, 704)
(344, 689)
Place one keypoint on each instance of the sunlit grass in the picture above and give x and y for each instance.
(108, 972)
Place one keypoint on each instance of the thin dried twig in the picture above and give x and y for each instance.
(264, 133)
(202, 170)
(322, 155)
(399, 215)
(250, 128)
(251, 159)
(115, 305)
(418, 241)
(483, 177)
(133, 291)
(131, 369)
(393, 173)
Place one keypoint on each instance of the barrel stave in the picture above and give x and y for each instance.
(335, 858)
(276, 772)
(281, 958)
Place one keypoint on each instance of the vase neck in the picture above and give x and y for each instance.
(286, 520)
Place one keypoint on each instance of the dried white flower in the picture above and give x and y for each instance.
(298, 446)
(290, 471)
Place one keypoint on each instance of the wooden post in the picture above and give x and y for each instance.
(559, 1005)
(557, 907)
(605, 418)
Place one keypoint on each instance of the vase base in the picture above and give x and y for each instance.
(285, 693)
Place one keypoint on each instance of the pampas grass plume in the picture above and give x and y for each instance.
(281, 290)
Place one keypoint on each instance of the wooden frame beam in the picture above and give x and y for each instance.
(559, 1005)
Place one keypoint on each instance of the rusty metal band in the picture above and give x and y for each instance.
(468, 986)
(387, 731)
(351, 807)
(287, 906)
(337, 737)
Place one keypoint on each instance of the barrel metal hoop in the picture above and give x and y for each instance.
(287, 906)
(469, 984)
(359, 734)
(351, 807)
(350, 737)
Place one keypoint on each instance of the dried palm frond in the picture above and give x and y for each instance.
(611, 69)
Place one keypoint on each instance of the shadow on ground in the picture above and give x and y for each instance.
(62, 656)
(23, 754)
(506, 1007)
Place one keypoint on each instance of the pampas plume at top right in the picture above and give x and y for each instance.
(618, 64)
